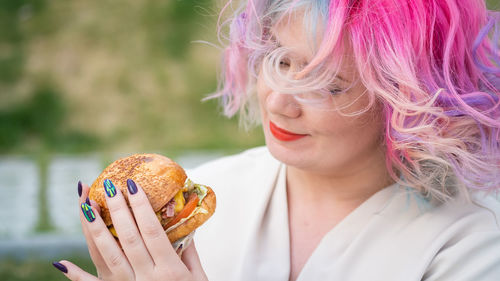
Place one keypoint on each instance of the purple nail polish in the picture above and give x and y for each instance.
(87, 201)
(79, 188)
(132, 188)
(60, 266)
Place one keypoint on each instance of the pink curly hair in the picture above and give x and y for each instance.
(432, 65)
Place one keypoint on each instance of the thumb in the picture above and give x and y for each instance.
(73, 272)
(192, 261)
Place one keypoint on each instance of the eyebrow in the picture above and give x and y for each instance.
(273, 38)
(343, 79)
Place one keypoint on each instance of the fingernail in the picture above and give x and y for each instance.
(87, 212)
(132, 188)
(79, 188)
(87, 201)
(109, 187)
(60, 266)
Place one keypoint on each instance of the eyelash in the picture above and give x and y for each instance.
(284, 63)
(334, 90)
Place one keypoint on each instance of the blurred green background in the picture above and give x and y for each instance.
(108, 77)
(79, 76)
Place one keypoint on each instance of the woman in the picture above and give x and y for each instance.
(381, 121)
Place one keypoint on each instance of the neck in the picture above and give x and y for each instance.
(363, 179)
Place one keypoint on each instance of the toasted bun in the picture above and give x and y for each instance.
(160, 178)
(195, 221)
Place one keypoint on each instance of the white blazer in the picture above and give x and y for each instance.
(394, 235)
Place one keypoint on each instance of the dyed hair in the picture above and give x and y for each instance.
(433, 66)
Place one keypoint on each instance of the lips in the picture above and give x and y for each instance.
(282, 134)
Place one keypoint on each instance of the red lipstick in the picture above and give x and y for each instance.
(282, 134)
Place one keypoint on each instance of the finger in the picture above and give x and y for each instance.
(192, 261)
(126, 228)
(152, 232)
(95, 255)
(73, 272)
(111, 253)
(84, 191)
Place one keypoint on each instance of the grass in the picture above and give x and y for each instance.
(493, 4)
(97, 76)
(39, 269)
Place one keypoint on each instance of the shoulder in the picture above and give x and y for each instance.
(455, 220)
(226, 168)
(409, 207)
(238, 181)
(481, 214)
(237, 178)
(455, 240)
(468, 242)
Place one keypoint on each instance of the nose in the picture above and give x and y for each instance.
(283, 104)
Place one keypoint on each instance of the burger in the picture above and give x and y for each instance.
(180, 205)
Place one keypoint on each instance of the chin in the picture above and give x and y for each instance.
(306, 155)
(296, 154)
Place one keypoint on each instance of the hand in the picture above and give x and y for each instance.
(147, 253)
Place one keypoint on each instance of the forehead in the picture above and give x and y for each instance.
(297, 33)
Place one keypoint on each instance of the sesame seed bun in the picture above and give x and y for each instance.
(160, 178)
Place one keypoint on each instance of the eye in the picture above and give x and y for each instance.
(284, 63)
(334, 90)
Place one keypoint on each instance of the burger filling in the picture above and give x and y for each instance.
(185, 204)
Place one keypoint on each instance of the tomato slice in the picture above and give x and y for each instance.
(188, 209)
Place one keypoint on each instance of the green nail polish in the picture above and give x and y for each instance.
(109, 187)
(87, 212)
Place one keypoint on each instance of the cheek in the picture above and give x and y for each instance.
(364, 128)
(262, 93)
(355, 114)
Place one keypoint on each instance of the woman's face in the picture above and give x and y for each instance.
(319, 138)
